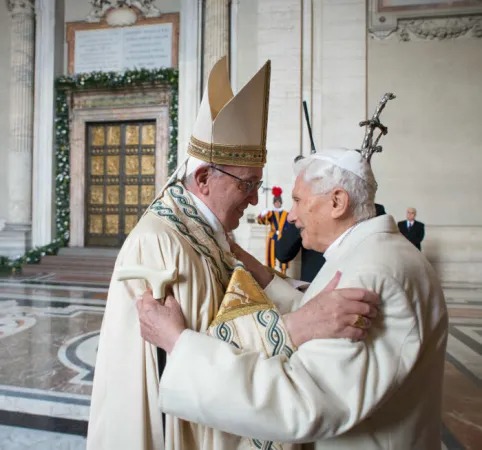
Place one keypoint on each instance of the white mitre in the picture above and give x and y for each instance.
(231, 129)
(349, 160)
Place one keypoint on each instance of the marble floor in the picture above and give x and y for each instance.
(48, 340)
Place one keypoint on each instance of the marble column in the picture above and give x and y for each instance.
(190, 47)
(15, 239)
(216, 34)
(43, 129)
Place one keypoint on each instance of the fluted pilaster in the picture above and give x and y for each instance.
(48, 23)
(15, 238)
(190, 71)
(21, 112)
(216, 33)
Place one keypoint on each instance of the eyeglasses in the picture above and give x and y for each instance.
(246, 186)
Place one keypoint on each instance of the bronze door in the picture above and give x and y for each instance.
(120, 181)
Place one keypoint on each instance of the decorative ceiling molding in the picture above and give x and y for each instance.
(100, 8)
(425, 20)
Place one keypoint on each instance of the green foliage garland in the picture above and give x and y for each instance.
(95, 80)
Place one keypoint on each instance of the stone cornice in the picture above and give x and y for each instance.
(424, 20)
(434, 29)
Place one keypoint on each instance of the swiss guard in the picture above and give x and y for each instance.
(277, 218)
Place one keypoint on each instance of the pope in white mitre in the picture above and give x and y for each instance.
(181, 231)
(185, 229)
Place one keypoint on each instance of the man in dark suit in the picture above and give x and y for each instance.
(412, 229)
(289, 245)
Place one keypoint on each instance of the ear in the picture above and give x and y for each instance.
(340, 203)
(201, 175)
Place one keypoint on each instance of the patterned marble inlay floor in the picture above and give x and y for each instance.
(15, 438)
(462, 408)
(48, 342)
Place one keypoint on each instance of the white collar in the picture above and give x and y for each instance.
(337, 242)
(277, 209)
(213, 221)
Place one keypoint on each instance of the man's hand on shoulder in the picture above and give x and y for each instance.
(161, 324)
(333, 313)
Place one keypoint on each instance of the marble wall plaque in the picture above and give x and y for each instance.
(120, 49)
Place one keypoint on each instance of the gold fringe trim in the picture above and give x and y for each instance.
(239, 311)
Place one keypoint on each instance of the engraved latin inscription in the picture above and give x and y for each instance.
(121, 49)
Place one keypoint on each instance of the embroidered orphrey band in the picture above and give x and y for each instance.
(232, 155)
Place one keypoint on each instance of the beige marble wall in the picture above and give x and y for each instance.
(271, 29)
(432, 154)
(246, 39)
(456, 254)
(339, 73)
(318, 54)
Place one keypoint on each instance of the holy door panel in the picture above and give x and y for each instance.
(119, 180)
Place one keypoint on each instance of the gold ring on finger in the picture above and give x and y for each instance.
(360, 322)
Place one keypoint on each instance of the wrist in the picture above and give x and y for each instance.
(296, 333)
(174, 340)
(264, 278)
(260, 273)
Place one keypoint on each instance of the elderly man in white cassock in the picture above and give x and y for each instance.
(185, 229)
(383, 392)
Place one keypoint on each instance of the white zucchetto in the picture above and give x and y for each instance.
(349, 160)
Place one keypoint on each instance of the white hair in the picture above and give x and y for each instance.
(188, 178)
(324, 176)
